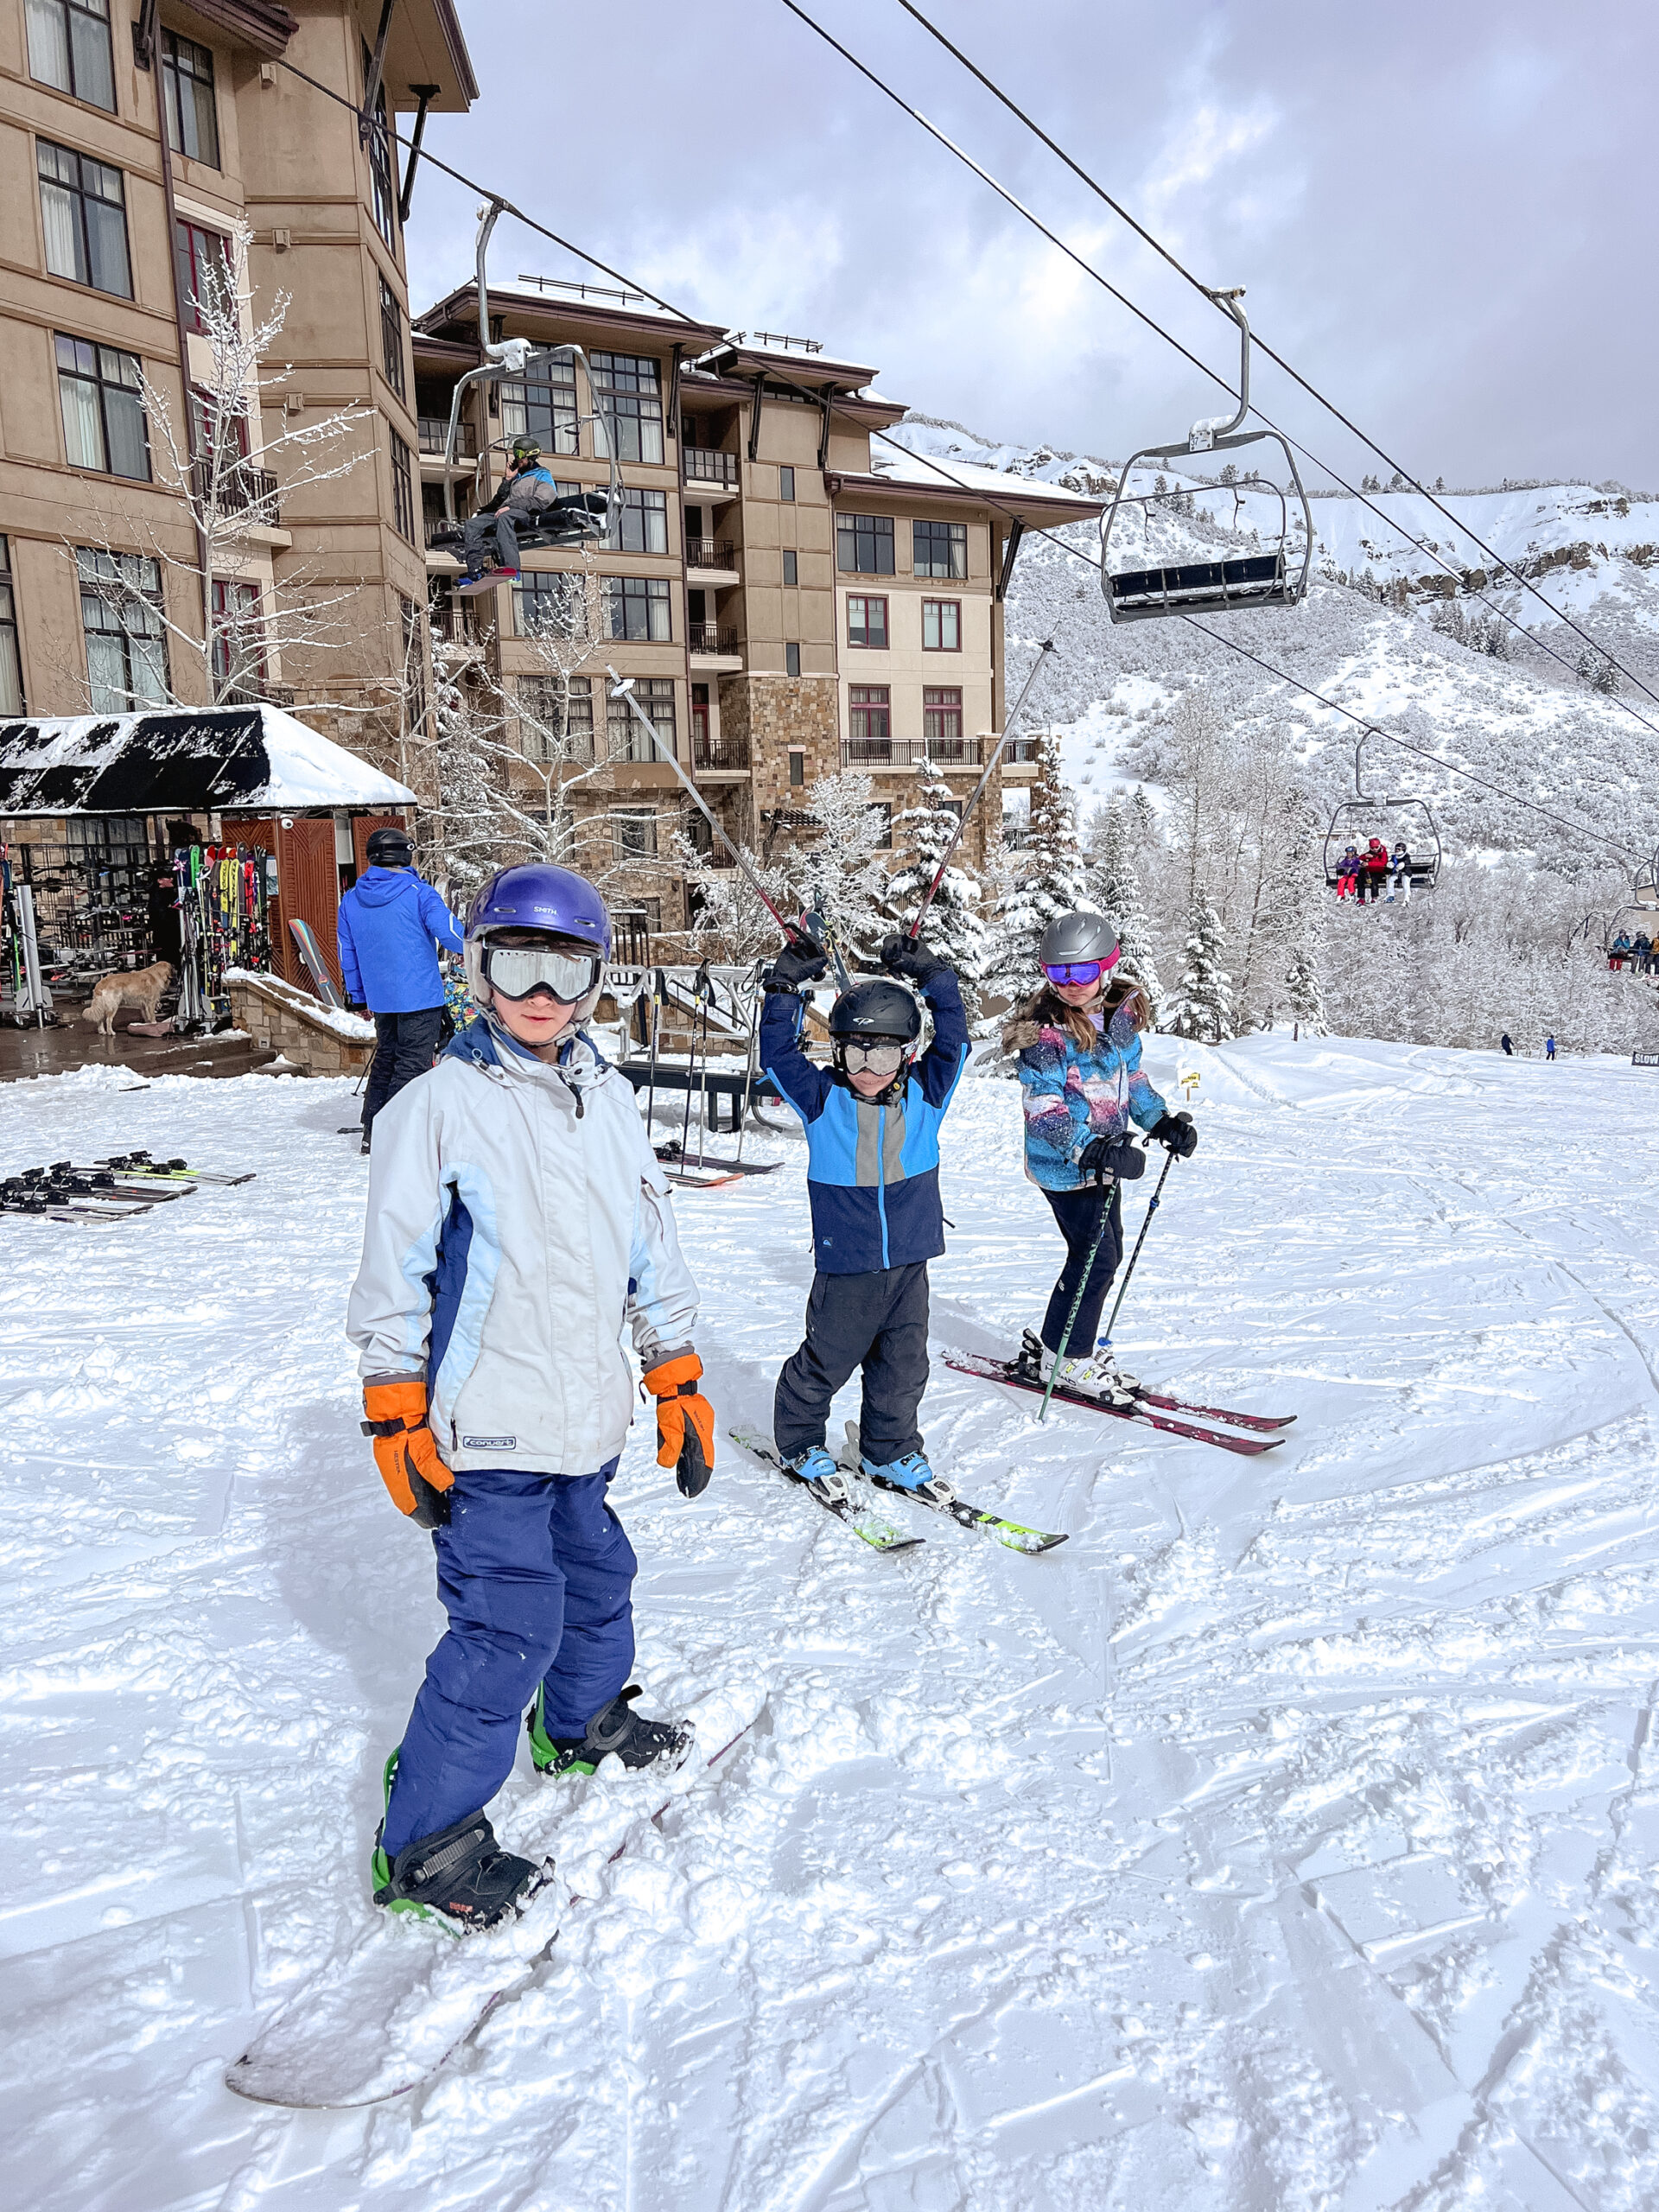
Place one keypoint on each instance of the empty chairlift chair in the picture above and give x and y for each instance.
(1137, 589)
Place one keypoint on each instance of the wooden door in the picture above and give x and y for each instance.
(364, 827)
(309, 875)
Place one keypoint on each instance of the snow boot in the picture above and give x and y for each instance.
(635, 1740)
(459, 1876)
(820, 1473)
(1095, 1374)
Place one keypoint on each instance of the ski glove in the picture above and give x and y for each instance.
(685, 1422)
(405, 1450)
(1104, 1156)
(1176, 1131)
(910, 958)
(800, 962)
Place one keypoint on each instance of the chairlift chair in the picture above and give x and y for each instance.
(1277, 578)
(1424, 867)
(1640, 912)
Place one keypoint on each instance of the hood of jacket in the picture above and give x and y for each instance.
(378, 886)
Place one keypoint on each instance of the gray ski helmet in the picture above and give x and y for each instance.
(878, 1008)
(389, 848)
(1078, 936)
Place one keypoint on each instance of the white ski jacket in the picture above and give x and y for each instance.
(518, 1218)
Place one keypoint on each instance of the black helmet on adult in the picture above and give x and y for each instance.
(389, 847)
(525, 450)
(876, 1008)
(1076, 937)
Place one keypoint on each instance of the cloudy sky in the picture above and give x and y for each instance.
(1444, 210)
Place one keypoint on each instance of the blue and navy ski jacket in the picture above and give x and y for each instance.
(873, 1165)
(391, 923)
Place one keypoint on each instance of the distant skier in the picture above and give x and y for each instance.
(1508, 1049)
(517, 1218)
(1549, 1048)
(1080, 1065)
(872, 1178)
(391, 923)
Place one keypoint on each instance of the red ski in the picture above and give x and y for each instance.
(1264, 1422)
(1007, 1370)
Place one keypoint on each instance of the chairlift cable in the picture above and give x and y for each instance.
(1312, 389)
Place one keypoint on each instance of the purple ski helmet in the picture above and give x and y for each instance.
(536, 895)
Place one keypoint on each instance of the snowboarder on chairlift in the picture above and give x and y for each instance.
(523, 493)
(1079, 1047)
(872, 1125)
(517, 1218)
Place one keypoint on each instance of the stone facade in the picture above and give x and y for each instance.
(781, 716)
(280, 1018)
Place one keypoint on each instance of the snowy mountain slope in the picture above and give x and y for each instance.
(1287, 1839)
(1565, 747)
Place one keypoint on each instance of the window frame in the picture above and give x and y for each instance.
(560, 594)
(78, 195)
(867, 699)
(956, 541)
(189, 267)
(792, 568)
(797, 768)
(624, 738)
(578, 719)
(620, 594)
(68, 14)
(147, 590)
(174, 73)
(101, 384)
(854, 530)
(403, 486)
(561, 434)
(249, 613)
(639, 500)
(792, 658)
(866, 644)
(391, 338)
(641, 817)
(621, 378)
(942, 702)
(11, 646)
(884, 808)
(377, 146)
(938, 607)
(786, 484)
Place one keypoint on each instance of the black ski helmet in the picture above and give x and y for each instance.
(525, 450)
(876, 1009)
(389, 848)
(1078, 936)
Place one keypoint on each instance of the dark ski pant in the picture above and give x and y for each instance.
(535, 1573)
(1079, 1214)
(408, 1044)
(876, 1321)
(478, 530)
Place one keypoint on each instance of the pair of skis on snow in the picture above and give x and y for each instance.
(109, 1191)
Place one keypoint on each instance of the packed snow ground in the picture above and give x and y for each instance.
(1286, 1840)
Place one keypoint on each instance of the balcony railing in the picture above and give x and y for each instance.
(431, 525)
(910, 752)
(434, 437)
(719, 751)
(710, 638)
(711, 553)
(702, 464)
(259, 693)
(241, 489)
(455, 624)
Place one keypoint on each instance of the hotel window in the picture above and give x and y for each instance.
(942, 625)
(792, 660)
(402, 486)
(867, 621)
(550, 602)
(939, 549)
(382, 190)
(871, 714)
(542, 406)
(786, 484)
(203, 269)
(120, 615)
(100, 391)
(69, 49)
(864, 544)
(11, 673)
(942, 716)
(391, 338)
(187, 98)
(641, 526)
(624, 738)
(637, 607)
(238, 650)
(557, 721)
(883, 811)
(634, 831)
(625, 387)
(792, 568)
(797, 771)
(84, 213)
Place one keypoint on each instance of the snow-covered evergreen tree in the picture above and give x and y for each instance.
(1203, 1009)
(954, 925)
(1112, 882)
(1047, 879)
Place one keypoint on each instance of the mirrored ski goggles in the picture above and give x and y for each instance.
(1078, 971)
(517, 970)
(880, 1060)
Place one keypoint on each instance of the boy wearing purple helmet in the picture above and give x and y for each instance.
(517, 1218)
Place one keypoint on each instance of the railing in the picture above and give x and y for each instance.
(910, 752)
(710, 638)
(455, 625)
(260, 694)
(434, 437)
(719, 751)
(703, 465)
(711, 553)
(431, 525)
(241, 489)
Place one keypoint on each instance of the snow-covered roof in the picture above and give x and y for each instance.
(916, 470)
(181, 759)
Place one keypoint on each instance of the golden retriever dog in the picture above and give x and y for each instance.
(140, 987)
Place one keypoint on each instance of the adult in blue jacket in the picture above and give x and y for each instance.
(872, 1125)
(391, 923)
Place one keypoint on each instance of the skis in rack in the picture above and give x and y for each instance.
(1020, 1379)
(871, 1527)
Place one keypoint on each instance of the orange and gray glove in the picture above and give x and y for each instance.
(405, 1450)
(685, 1422)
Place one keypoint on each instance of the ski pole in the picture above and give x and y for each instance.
(1152, 1208)
(1071, 1319)
(1043, 651)
(657, 990)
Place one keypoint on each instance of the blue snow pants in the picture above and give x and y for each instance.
(535, 1573)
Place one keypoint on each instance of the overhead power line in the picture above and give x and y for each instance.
(990, 498)
(1429, 552)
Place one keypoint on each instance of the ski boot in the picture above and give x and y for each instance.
(635, 1740)
(910, 1475)
(822, 1475)
(1095, 1374)
(459, 1876)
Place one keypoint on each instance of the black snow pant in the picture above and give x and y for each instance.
(1079, 1213)
(407, 1045)
(878, 1322)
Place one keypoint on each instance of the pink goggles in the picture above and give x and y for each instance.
(1078, 971)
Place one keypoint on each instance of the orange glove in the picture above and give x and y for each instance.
(406, 1451)
(685, 1422)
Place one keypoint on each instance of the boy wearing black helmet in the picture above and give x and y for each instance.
(872, 1127)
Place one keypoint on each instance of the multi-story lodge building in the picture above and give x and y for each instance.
(790, 598)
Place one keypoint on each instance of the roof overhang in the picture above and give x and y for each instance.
(528, 314)
(425, 46)
(179, 761)
(813, 370)
(258, 24)
(1014, 496)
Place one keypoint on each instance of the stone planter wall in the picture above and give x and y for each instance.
(286, 1020)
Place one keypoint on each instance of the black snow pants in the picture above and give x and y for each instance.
(878, 1321)
(408, 1044)
(1079, 1214)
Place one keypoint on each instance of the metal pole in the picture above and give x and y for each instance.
(1152, 1208)
(1083, 1285)
(1046, 647)
(650, 1093)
